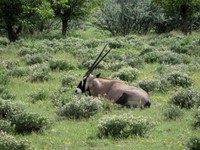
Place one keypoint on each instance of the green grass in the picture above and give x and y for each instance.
(72, 134)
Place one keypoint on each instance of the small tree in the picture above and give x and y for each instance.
(15, 14)
(10, 15)
(125, 16)
(68, 10)
(182, 11)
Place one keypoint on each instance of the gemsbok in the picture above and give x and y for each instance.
(114, 90)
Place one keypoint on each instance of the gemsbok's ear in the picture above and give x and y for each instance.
(98, 75)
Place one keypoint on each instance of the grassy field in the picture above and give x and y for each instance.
(154, 57)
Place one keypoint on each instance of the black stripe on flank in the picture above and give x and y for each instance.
(123, 99)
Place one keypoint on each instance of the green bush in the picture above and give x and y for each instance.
(25, 122)
(9, 108)
(115, 44)
(172, 112)
(185, 98)
(5, 126)
(146, 50)
(9, 142)
(150, 85)
(38, 95)
(124, 17)
(68, 80)
(4, 41)
(126, 74)
(3, 75)
(26, 50)
(19, 71)
(60, 97)
(92, 43)
(196, 122)
(10, 64)
(151, 57)
(168, 57)
(179, 79)
(193, 143)
(81, 108)
(35, 59)
(124, 125)
(5, 94)
(86, 63)
(39, 73)
(179, 48)
(136, 62)
(60, 65)
(108, 105)
(115, 66)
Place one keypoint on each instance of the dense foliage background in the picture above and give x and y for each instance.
(120, 17)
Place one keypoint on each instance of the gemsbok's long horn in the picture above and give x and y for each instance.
(97, 61)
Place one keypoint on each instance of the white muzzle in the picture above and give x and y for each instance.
(78, 91)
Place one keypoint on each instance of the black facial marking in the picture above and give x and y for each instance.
(82, 85)
(123, 99)
(98, 75)
(148, 104)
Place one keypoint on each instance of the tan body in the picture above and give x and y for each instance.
(118, 91)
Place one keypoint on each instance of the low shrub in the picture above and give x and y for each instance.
(179, 79)
(5, 126)
(38, 95)
(150, 85)
(136, 62)
(60, 97)
(25, 122)
(162, 69)
(68, 81)
(124, 125)
(92, 43)
(9, 108)
(86, 63)
(115, 66)
(4, 41)
(126, 74)
(3, 75)
(151, 57)
(39, 73)
(10, 64)
(26, 50)
(116, 44)
(172, 112)
(81, 108)
(35, 59)
(9, 142)
(19, 71)
(179, 48)
(60, 65)
(168, 57)
(108, 105)
(146, 50)
(5, 94)
(183, 68)
(185, 98)
(193, 143)
(196, 122)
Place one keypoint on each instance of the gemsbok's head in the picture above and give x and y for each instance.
(114, 90)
